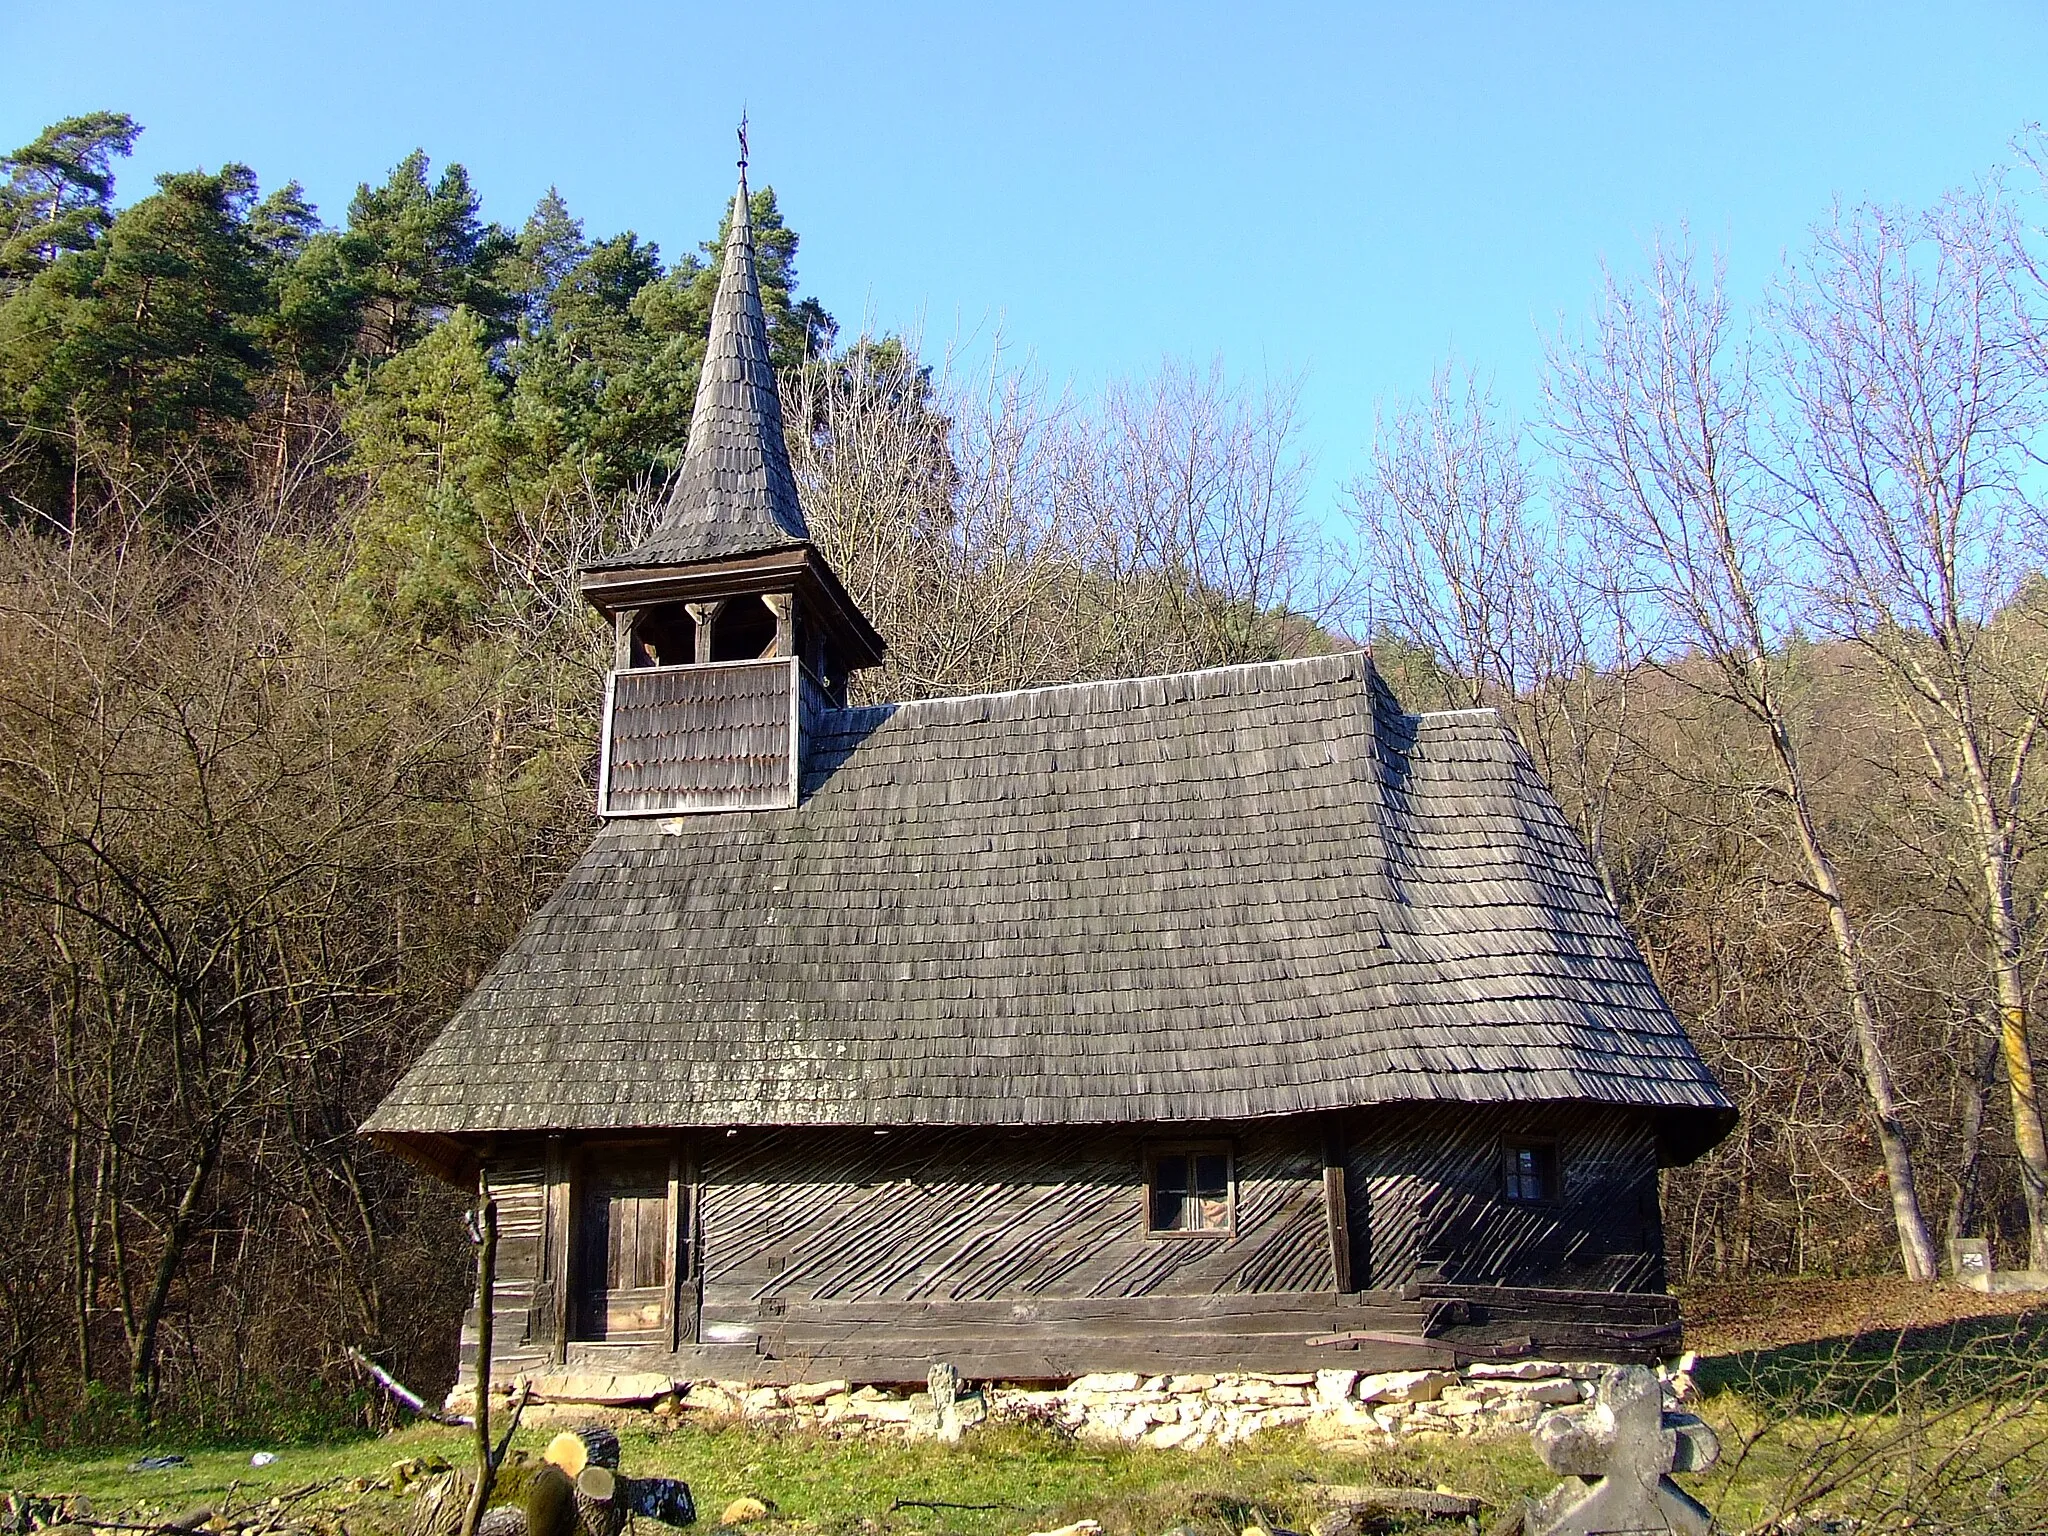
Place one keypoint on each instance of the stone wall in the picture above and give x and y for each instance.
(1186, 1411)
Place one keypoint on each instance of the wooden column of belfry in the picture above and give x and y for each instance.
(783, 606)
(704, 615)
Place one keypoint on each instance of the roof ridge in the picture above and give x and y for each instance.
(1340, 664)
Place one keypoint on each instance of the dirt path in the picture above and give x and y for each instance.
(1768, 1314)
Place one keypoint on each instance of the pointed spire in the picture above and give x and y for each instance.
(735, 495)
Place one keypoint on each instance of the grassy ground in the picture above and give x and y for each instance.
(1865, 1398)
(1028, 1479)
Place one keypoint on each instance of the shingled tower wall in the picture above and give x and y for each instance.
(731, 628)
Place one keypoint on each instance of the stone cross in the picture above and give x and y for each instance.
(1616, 1455)
(935, 1414)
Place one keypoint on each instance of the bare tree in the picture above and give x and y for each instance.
(1448, 537)
(1003, 536)
(935, 499)
(1656, 417)
(1914, 406)
(1183, 496)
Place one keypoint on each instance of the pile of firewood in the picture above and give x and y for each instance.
(576, 1489)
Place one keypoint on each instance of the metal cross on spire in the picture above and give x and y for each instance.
(743, 138)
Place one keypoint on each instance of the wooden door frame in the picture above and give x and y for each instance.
(574, 1190)
(685, 1245)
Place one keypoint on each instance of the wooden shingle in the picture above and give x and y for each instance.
(946, 930)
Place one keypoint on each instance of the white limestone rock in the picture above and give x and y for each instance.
(1347, 1425)
(1515, 1370)
(1334, 1387)
(1104, 1382)
(1405, 1386)
(815, 1391)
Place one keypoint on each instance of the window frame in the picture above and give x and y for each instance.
(1552, 1168)
(1153, 1152)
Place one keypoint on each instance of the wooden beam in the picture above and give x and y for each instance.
(704, 615)
(674, 1225)
(1335, 1202)
(559, 1240)
(783, 606)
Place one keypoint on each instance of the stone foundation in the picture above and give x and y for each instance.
(1186, 1411)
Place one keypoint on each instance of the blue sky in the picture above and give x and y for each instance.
(1343, 192)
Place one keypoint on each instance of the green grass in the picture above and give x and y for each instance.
(1034, 1479)
(1931, 1430)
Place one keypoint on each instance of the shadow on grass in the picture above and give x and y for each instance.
(1935, 1428)
(1869, 1371)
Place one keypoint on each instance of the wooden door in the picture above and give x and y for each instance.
(622, 1264)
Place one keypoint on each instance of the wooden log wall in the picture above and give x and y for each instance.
(1022, 1255)
(976, 1215)
(1426, 1199)
(522, 1337)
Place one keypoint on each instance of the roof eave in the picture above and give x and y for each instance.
(799, 568)
(453, 1158)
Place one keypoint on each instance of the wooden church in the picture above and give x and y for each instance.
(1231, 1020)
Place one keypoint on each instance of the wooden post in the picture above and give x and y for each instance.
(704, 616)
(622, 638)
(558, 1236)
(486, 1301)
(1336, 1200)
(676, 1251)
(783, 606)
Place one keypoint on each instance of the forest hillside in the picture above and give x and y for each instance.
(298, 704)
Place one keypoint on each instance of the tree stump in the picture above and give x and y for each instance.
(550, 1502)
(599, 1510)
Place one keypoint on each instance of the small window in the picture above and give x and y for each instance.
(1191, 1191)
(1531, 1172)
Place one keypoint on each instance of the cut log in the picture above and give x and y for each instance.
(551, 1508)
(502, 1520)
(437, 1508)
(587, 1445)
(599, 1511)
(1370, 1503)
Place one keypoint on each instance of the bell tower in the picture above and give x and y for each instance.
(730, 627)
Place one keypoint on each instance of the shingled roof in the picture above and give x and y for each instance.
(735, 494)
(1246, 892)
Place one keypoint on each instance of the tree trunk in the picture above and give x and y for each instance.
(1994, 845)
(1962, 1214)
(1916, 1246)
(142, 1383)
(486, 1286)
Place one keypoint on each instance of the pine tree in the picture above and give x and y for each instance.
(59, 192)
(550, 246)
(416, 252)
(316, 304)
(131, 351)
(430, 432)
